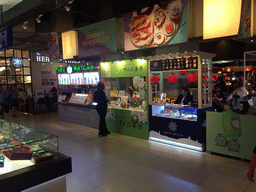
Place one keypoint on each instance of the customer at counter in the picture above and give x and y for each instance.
(13, 93)
(184, 98)
(100, 98)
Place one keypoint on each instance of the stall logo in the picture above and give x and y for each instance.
(17, 61)
(173, 126)
(69, 70)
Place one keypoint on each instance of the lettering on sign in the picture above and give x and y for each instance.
(42, 59)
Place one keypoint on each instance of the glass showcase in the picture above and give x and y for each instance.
(174, 111)
(19, 143)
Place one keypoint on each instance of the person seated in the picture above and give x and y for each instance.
(184, 98)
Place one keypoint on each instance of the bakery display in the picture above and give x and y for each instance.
(18, 142)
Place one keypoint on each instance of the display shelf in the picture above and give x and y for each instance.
(183, 112)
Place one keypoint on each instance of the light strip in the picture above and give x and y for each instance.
(176, 144)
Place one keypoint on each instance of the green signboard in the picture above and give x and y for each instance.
(80, 68)
(125, 68)
(127, 122)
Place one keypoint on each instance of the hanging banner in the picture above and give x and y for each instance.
(245, 20)
(54, 47)
(98, 38)
(161, 24)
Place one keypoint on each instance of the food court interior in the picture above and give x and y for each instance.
(118, 162)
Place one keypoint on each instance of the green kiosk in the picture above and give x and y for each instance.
(126, 88)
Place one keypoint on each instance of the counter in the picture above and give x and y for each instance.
(34, 175)
(177, 125)
(131, 122)
(78, 113)
(240, 144)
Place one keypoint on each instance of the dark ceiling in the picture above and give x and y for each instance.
(82, 13)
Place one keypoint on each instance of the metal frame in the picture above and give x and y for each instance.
(253, 53)
(204, 69)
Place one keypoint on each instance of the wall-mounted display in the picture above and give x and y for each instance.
(91, 78)
(77, 78)
(64, 79)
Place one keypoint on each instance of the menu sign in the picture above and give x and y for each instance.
(77, 78)
(64, 79)
(174, 64)
(91, 78)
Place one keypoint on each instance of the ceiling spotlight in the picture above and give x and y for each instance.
(70, 1)
(25, 25)
(67, 8)
(38, 20)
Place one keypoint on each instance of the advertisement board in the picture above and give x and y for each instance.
(98, 38)
(162, 24)
(91, 78)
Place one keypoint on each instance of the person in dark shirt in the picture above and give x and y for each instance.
(100, 98)
(185, 97)
(219, 93)
(222, 84)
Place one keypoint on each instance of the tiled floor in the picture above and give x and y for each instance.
(119, 163)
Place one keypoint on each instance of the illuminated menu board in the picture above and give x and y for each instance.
(91, 78)
(77, 78)
(64, 79)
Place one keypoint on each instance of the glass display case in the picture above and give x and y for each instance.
(18, 142)
(174, 111)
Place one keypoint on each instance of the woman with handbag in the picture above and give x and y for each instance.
(100, 98)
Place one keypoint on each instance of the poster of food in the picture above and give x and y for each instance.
(161, 24)
(245, 20)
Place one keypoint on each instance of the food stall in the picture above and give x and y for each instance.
(76, 85)
(127, 115)
(179, 124)
(233, 132)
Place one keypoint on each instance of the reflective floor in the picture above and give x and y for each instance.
(121, 164)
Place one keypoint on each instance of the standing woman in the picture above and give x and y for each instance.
(100, 98)
(13, 94)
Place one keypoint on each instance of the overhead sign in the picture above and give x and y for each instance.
(98, 38)
(162, 24)
(17, 61)
(74, 69)
(42, 59)
(6, 38)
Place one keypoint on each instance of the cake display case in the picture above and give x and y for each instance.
(30, 158)
(175, 111)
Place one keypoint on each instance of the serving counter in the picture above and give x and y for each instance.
(178, 125)
(131, 122)
(231, 134)
(79, 113)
